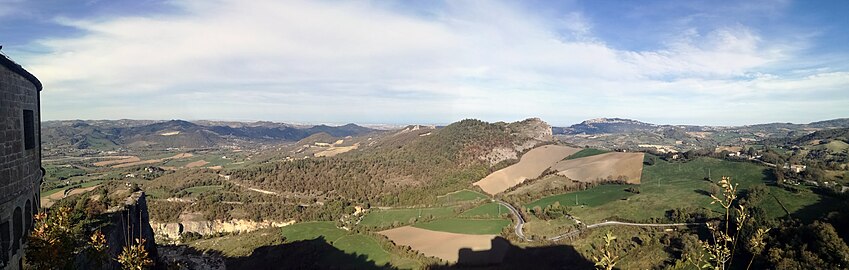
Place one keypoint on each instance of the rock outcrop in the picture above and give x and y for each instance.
(171, 231)
(526, 134)
(128, 222)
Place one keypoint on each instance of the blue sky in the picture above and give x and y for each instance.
(678, 62)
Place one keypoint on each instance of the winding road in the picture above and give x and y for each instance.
(520, 223)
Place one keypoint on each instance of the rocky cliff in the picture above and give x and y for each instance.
(171, 231)
(129, 221)
(525, 134)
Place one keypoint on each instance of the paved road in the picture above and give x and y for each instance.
(520, 223)
(610, 223)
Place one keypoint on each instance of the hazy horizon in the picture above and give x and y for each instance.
(414, 123)
(722, 63)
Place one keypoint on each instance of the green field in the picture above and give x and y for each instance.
(547, 228)
(79, 185)
(466, 226)
(242, 244)
(312, 230)
(55, 173)
(586, 153)
(668, 185)
(382, 218)
(837, 146)
(350, 243)
(590, 198)
(489, 210)
(460, 196)
(366, 245)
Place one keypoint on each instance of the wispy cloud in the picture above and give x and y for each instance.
(341, 62)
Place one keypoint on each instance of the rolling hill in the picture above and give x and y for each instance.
(104, 134)
(408, 166)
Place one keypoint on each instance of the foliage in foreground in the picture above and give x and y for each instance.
(60, 240)
(55, 242)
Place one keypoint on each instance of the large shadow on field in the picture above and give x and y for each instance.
(828, 202)
(306, 254)
(514, 257)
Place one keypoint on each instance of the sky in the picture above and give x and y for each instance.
(435, 62)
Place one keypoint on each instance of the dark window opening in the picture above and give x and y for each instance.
(5, 241)
(29, 129)
(17, 229)
(27, 218)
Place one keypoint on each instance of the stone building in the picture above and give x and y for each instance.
(20, 159)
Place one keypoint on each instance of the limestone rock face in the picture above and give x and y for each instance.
(527, 134)
(533, 129)
(171, 231)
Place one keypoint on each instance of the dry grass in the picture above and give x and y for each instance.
(125, 159)
(547, 182)
(135, 161)
(143, 162)
(442, 245)
(198, 163)
(182, 155)
(531, 165)
(48, 201)
(728, 148)
(335, 150)
(605, 166)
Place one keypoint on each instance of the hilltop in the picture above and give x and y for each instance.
(111, 135)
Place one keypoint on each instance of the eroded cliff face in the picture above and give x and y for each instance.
(171, 231)
(527, 134)
(129, 221)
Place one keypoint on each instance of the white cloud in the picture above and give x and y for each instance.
(331, 61)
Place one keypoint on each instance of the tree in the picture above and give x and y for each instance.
(135, 257)
(814, 174)
(720, 251)
(778, 172)
(770, 157)
(605, 257)
(55, 242)
(649, 160)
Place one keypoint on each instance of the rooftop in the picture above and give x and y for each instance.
(17, 68)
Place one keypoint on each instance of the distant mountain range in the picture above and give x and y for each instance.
(106, 134)
(840, 134)
(615, 133)
(620, 125)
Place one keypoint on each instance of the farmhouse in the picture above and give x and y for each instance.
(796, 168)
(20, 159)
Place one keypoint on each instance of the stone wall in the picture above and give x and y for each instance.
(20, 166)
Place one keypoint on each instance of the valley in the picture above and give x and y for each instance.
(469, 193)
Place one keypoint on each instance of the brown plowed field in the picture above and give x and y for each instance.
(127, 159)
(615, 165)
(143, 162)
(447, 246)
(530, 166)
(197, 163)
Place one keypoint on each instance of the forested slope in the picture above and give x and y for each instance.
(399, 173)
